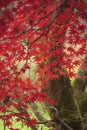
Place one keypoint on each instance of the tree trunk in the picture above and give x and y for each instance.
(66, 105)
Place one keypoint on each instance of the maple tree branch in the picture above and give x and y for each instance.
(33, 127)
(30, 28)
(43, 27)
(4, 122)
(37, 113)
(59, 120)
(51, 122)
(20, 109)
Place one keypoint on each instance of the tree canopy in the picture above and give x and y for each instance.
(50, 33)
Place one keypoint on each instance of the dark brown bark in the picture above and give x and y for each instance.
(68, 110)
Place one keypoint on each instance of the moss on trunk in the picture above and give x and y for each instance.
(66, 104)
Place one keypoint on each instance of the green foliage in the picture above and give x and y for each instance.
(82, 100)
(69, 109)
(67, 101)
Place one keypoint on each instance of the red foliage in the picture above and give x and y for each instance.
(52, 32)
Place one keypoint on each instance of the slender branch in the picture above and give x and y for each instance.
(43, 27)
(37, 113)
(33, 127)
(42, 122)
(4, 122)
(58, 120)
(30, 28)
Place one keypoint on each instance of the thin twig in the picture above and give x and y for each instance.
(4, 122)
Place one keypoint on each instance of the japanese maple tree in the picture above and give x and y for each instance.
(52, 33)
